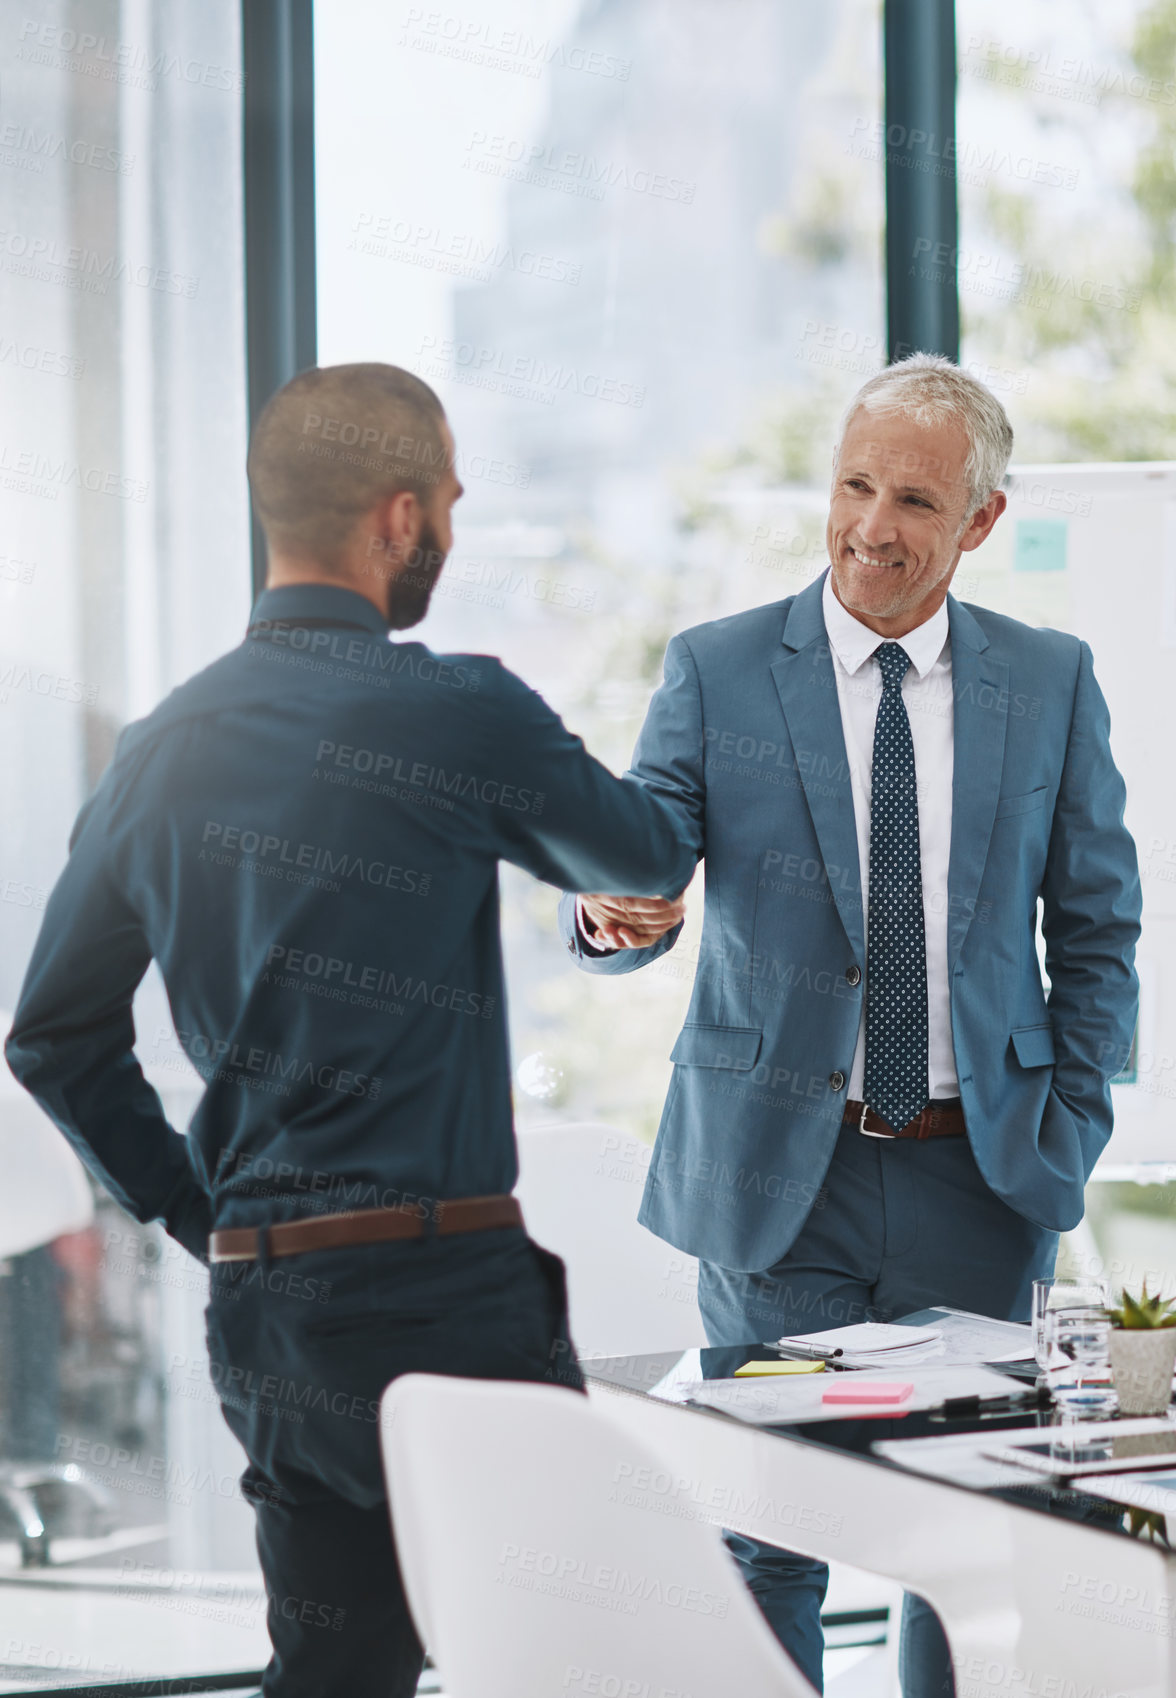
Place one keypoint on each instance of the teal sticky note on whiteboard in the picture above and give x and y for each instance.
(1040, 545)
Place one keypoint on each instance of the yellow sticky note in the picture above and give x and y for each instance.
(754, 1370)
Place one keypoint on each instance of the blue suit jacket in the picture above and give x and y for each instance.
(744, 736)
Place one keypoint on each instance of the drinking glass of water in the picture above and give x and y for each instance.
(1052, 1294)
(1077, 1361)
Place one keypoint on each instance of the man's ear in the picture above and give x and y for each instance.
(403, 521)
(388, 529)
(982, 520)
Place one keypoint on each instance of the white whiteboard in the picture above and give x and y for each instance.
(1092, 549)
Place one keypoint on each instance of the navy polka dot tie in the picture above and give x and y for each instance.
(896, 960)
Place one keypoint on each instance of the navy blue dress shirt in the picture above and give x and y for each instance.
(306, 836)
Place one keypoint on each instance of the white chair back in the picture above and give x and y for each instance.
(628, 1292)
(545, 1554)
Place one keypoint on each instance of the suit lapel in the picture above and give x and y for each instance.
(980, 687)
(808, 695)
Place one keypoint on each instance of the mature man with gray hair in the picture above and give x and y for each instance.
(875, 1106)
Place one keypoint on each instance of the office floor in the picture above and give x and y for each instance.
(93, 1639)
(863, 1672)
(78, 1626)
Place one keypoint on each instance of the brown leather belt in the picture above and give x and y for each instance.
(944, 1119)
(363, 1226)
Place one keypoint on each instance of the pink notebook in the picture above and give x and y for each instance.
(852, 1390)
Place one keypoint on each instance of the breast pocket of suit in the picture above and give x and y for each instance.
(1030, 802)
(735, 1048)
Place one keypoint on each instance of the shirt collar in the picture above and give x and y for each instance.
(853, 643)
(295, 602)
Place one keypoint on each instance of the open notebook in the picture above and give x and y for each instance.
(939, 1334)
(871, 1344)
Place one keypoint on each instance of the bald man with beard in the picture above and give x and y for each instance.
(306, 838)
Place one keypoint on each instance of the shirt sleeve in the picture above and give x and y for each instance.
(588, 934)
(582, 828)
(72, 1040)
(668, 763)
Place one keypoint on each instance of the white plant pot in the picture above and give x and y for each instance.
(1142, 1363)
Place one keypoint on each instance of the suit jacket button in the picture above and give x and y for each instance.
(836, 1080)
(853, 976)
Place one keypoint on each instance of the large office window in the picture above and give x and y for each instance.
(636, 247)
(1066, 128)
(1064, 144)
(124, 567)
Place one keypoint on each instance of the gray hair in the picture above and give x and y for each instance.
(932, 390)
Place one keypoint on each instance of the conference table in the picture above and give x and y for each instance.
(1044, 1590)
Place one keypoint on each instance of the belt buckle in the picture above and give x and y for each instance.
(862, 1126)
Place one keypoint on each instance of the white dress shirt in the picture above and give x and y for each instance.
(927, 696)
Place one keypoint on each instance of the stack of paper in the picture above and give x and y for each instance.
(976, 1338)
(869, 1345)
(769, 1402)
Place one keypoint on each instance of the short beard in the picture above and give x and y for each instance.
(903, 602)
(863, 607)
(409, 591)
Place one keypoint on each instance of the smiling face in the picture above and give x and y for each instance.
(897, 522)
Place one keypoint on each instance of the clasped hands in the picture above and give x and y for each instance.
(631, 922)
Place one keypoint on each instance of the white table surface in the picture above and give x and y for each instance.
(1034, 1606)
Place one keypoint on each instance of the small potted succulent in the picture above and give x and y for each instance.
(1143, 1352)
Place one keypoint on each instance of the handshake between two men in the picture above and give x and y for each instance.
(629, 922)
